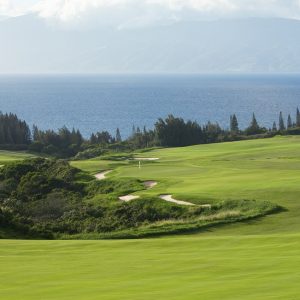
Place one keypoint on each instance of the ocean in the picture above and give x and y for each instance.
(104, 102)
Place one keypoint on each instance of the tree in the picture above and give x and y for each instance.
(175, 132)
(13, 130)
(253, 127)
(93, 139)
(133, 130)
(274, 127)
(289, 122)
(234, 125)
(35, 133)
(281, 122)
(118, 136)
(298, 118)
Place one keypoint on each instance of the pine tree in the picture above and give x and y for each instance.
(254, 123)
(298, 118)
(281, 122)
(133, 130)
(274, 128)
(289, 122)
(118, 136)
(93, 139)
(234, 125)
(35, 133)
(253, 127)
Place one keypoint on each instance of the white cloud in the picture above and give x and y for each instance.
(128, 13)
(199, 5)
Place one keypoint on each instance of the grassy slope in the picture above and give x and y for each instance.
(256, 260)
(258, 169)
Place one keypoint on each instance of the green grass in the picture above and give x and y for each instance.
(10, 156)
(258, 169)
(257, 259)
(186, 267)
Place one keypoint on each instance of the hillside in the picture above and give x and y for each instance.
(248, 45)
(248, 260)
(265, 169)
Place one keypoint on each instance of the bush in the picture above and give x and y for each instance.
(89, 153)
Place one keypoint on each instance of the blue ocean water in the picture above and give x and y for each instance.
(95, 103)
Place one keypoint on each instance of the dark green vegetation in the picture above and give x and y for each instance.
(48, 198)
(14, 133)
(168, 132)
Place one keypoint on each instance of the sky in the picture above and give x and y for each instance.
(142, 13)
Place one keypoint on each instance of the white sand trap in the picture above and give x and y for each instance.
(205, 205)
(169, 198)
(146, 158)
(128, 198)
(102, 175)
(150, 184)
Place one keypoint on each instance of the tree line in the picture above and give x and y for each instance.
(169, 132)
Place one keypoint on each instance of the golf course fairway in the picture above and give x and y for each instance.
(257, 259)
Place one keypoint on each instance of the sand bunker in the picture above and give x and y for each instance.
(128, 198)
(102, 175)
(169, 198)
(205, 205)
(150, 184)
(146, 158)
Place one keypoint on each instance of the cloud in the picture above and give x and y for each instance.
(138, 13)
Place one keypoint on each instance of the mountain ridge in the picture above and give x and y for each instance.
(222, 46)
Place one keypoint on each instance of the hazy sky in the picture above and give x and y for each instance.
(141, 13)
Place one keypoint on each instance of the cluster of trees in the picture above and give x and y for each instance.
(254, 128)
(63, 143)
(169, 132)
(140, 139)
(176, 132)
(13, 131)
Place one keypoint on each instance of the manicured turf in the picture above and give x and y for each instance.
(252, 260)
(9, 156)
(266, 169)
(194, 267)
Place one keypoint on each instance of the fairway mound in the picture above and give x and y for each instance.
(128, 198)
(102, 175)
(169, 198)
(146, 158)
(149, 184)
